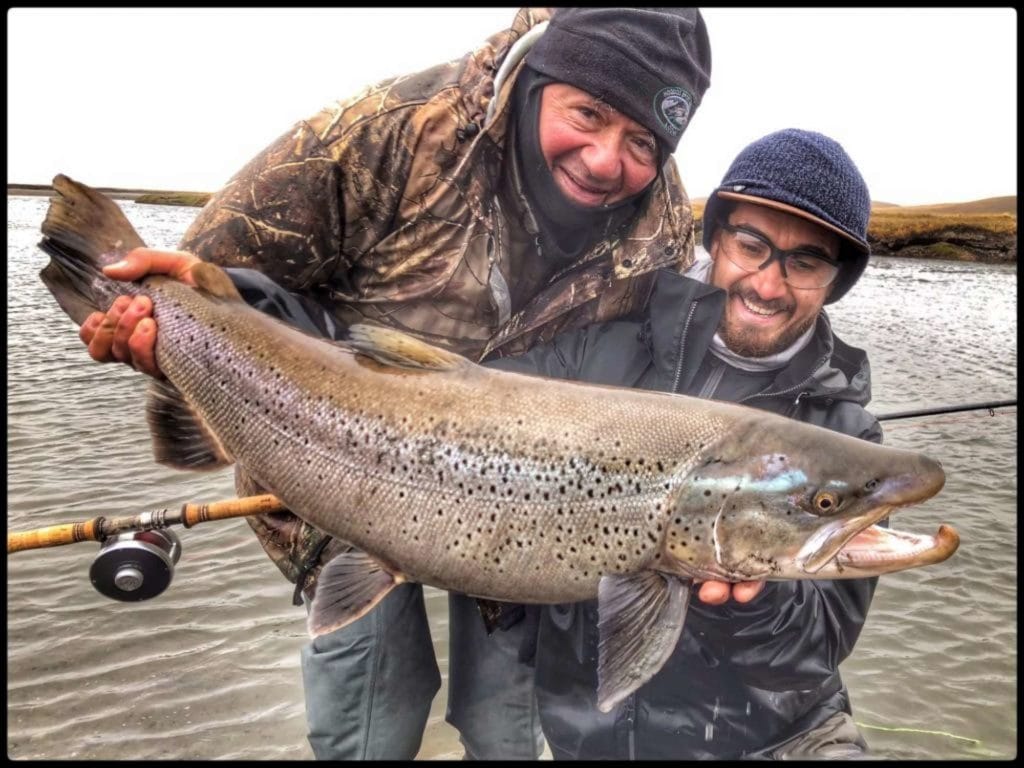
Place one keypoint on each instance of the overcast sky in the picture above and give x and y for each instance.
(925, 101)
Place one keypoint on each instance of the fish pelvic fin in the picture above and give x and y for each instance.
(84, 231)
(640, 619)
(181, 438)
(391, 347)
(348, 587)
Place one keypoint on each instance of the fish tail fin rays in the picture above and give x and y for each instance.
(640, 619)
(83, 232)
(391, 347)
(348, 587)
(181, 438)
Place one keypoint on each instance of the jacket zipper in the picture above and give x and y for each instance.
(792, 389)
(682, 346)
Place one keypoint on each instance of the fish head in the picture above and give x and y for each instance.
(778, 499)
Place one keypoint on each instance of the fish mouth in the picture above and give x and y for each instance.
(870, 549)
(881, 550)
(826, 542)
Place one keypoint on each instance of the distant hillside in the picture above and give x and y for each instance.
(1006, 204)
(154, 196)
(980, 230)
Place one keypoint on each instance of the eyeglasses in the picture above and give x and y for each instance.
(801, 268)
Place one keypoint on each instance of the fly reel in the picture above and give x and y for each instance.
(135, 565)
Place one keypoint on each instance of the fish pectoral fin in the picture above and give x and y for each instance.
(347, 588)
(640, 618)
(181, 438)
(391, 347)
(214, 281)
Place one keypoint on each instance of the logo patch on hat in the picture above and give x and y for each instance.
(673, 106)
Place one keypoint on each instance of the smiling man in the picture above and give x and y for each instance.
(770, 309)
(755, 676)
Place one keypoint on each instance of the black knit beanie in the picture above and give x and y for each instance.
(651, 64)
(806, 174)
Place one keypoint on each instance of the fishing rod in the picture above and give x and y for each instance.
(990, 407)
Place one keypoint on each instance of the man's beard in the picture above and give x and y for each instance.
(753, 342)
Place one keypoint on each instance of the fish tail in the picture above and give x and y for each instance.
(83, 232)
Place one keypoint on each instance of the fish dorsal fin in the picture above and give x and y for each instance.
(391, 347)
(213, 280)
(181, 438)
(347, 588)
(640, 618)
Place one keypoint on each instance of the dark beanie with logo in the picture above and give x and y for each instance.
(805, 174)
(651, 64)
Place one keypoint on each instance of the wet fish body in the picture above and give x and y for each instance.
(490, 483)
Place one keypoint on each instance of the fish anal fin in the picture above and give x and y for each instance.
(391, 347)
(640, 619)
(213, 280)
(348, 587)
(181, 438)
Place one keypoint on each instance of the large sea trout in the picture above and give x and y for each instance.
(494, 484)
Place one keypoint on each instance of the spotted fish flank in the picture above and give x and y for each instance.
(490, 483)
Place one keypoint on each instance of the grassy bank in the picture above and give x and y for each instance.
(197, 199)
(981, 230)
(151, 196)
(896, 223)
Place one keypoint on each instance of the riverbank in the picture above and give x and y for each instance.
(150, 196)
(983, 231)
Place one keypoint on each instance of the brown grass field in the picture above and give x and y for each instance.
(984, 230)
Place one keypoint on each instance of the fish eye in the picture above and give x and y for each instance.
(825, 502)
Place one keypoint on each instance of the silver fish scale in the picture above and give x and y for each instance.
(470, 480)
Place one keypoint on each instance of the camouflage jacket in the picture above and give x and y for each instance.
(386, 207)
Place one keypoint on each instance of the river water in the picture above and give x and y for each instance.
(210, 668)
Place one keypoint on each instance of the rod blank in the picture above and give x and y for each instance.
(947, 409)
